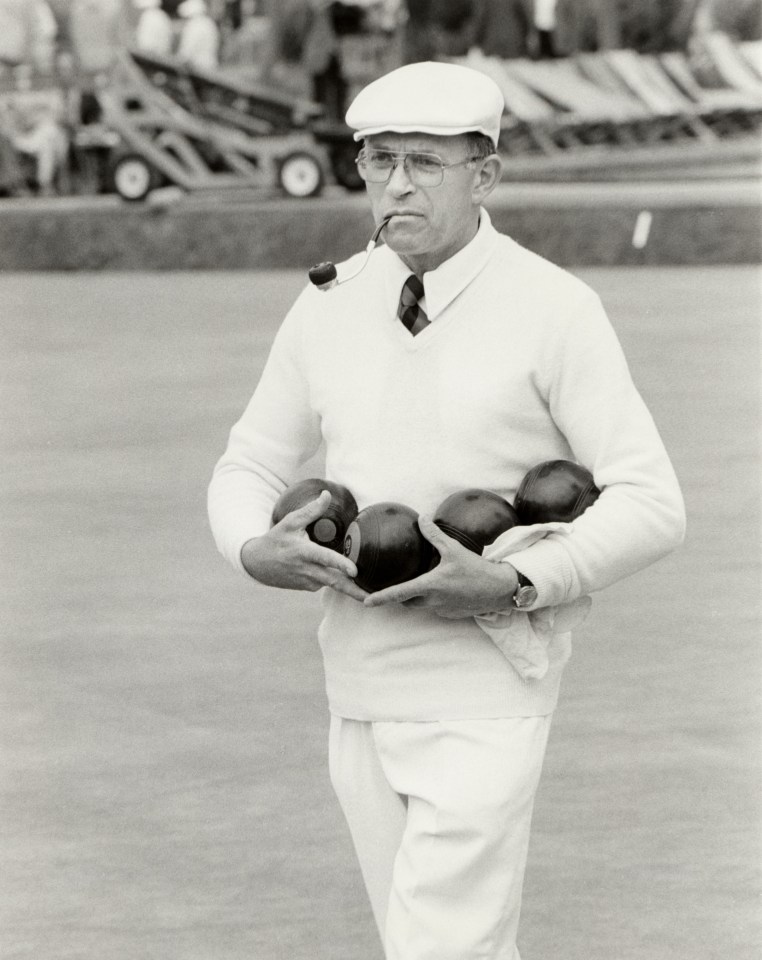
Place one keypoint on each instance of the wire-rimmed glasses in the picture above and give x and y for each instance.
(423, 169)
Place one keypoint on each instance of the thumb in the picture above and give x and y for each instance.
(436, 537)
(303, 516)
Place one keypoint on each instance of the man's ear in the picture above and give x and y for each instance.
(488, 177)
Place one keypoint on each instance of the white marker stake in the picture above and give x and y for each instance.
(642, 229)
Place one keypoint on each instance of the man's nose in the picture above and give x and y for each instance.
(400, 182)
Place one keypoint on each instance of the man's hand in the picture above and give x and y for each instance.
(462, 584)
(286, 557)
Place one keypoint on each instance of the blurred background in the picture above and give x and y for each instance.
(129, 96)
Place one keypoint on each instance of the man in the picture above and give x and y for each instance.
(455, 359)
(153, 33)
(199, 45)
(545, 24)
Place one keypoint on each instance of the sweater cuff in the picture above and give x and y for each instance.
(232, 547)
(547, 565)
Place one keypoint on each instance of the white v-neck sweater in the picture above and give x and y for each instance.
(519, 365)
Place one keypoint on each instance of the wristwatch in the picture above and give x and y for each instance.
(526, 593)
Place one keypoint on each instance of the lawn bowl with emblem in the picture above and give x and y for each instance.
(387, 547)
(329, 529)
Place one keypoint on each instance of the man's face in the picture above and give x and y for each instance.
(429, 224)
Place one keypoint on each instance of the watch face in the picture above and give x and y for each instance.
(525, 597)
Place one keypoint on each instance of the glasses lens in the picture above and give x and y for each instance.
(375, 166)
(425, 169)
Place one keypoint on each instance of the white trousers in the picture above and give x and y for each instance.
(440, 814)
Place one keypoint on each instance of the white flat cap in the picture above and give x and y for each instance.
(443, 99)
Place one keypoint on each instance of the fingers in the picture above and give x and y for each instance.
(436, 537)
(335, 574)
(347, 587)
(454, 614)
(423, 586)
(400, 593)
(329, 560)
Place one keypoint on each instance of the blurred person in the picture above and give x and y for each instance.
(740, 19)
(100, 30)
(12, 180)
(44, 35)
(336, 52)
(289, 23)
(545, 24)
(36, 131)
(454, 24)
(418, 39)
(577, 27)
(449, 357)
(250, 47)
(385, 15)
(199, 44)
(153, 33)
(437, 29)
(450, 28)
(28, 33)
(321, 58)
(504, 28)
(14, 31)
(325, 55)
(233, 14)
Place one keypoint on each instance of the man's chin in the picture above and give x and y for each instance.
(403, 234)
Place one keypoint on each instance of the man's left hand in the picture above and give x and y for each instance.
(461, 585)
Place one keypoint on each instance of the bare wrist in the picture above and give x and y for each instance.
(250, 557)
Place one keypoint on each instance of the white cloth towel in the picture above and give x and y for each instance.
(523, 636)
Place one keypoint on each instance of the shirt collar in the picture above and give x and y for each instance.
(443, 285)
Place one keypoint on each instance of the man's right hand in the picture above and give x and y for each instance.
(286, 557)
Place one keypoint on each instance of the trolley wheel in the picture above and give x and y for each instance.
(132, 177)
(300, 174)
(344, 166)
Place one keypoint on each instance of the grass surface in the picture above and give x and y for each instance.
(164, 791)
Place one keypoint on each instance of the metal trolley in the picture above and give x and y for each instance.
(202, 131)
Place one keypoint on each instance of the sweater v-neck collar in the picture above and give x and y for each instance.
(443, 285)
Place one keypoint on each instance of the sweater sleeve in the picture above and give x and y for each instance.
(276, 433)
(640, 516)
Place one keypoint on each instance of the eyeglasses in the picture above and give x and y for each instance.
(423, 169)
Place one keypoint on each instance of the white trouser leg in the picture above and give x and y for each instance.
(454, 891)
(374, 812)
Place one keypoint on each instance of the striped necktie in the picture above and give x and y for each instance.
(410, 312)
